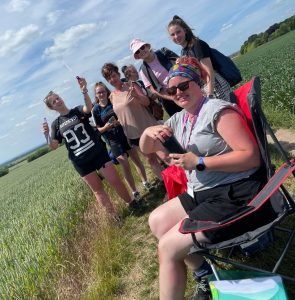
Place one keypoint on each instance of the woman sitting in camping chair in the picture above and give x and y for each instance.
(221, 162)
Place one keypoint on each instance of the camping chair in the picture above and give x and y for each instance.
(249, 98)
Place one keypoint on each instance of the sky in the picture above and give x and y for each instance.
(45, 44)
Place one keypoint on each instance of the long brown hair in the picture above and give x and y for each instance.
(189, 35)
(100, 84)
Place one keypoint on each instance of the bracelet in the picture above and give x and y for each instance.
(85, 92)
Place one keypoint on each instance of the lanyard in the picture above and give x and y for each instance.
(185, 120)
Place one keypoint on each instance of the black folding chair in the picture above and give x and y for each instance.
(274, 194)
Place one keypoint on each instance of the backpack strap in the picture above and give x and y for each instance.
(147, 71)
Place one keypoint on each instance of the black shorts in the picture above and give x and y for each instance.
(85, 167)
(224, 201)
(134, 142)
(120, 147)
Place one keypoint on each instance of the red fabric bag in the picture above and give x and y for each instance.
(175, 181)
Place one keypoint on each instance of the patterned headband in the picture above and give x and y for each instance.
(185, 70)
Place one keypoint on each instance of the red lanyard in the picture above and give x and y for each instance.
(185, 119)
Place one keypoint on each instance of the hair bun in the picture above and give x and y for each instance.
(175, 17)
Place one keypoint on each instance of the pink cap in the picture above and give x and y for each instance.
(135, 45)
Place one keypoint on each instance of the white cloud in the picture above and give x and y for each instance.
(35, 104)
(70, 39)
(31, 117)
(20, 124)
(6, 99)
(225, 27)
(3, 136)
(17, 5)
(53, 16)
(12, 41)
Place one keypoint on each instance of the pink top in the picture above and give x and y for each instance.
(133, 116)
(160, 72)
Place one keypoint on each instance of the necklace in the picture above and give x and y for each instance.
(194, 120)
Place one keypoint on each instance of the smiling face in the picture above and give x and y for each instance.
(54, 101)
(143, 52)
(101, 94)
(188, 98)
(177, 35)
(114, 79)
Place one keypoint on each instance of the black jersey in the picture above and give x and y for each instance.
(82, 142)
(101, 116)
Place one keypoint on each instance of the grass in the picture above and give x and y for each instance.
(57, 244)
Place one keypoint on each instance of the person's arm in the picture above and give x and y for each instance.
(87, 107)
(245, 153)
(151, 138)
(52, 143)
(137, 93)
(99, 124)
(207, 64)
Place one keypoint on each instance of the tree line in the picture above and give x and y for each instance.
(271, 33)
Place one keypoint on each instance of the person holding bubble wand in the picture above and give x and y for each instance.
(86, 150)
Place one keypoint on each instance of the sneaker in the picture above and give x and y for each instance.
(133, 206)
(136, 195)
(202, 291)
(147, 186)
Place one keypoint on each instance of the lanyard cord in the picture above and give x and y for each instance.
(185, 120)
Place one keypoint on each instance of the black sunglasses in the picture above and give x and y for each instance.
(182, 87)
(141, 48)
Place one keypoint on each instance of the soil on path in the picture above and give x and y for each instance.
(287, 139)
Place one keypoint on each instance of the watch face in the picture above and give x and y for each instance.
(200, 167)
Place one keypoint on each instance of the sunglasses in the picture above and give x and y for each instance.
(171, 91)
(140, 49)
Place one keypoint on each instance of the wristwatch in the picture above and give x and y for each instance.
(200, 165)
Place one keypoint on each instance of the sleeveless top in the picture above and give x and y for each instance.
(133, 116)
(206, 141)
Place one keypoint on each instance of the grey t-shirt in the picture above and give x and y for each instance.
(205, 141)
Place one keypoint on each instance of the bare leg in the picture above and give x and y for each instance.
(101, 196)
(124, 162)
(112, 176)
(173, 248)
(138, 164)
(165, 216)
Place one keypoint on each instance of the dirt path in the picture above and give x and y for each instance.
(287, 139)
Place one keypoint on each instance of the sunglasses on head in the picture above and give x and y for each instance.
(183, 86)
(140, 49)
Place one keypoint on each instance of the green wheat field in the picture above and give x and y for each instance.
(55, 243)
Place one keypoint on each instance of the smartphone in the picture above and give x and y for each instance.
(172, 145)
(112, 119)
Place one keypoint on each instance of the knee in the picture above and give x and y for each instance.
(156, 224)
(166, 250)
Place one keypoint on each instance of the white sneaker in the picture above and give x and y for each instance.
(147, 186)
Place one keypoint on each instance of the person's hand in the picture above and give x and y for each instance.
(108, 126)
(187, 161)
(159, 132)
(45, 128)
(83, 85)
(116, 123)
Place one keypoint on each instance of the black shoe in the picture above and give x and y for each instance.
(133, 206)
(202, 291)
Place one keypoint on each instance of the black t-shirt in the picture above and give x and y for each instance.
(200, 50)
(101, 116)
(82, 141)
